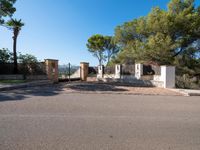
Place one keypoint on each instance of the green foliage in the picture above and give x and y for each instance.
(161, 35)
(187, 82)
(111, 48)
(29, 64)
(158, 48)
(95, 46)
(5, 56)
(102, 47)
(6, 9)
(27, 59)
(188, 63)
(165, 37)
(15, 25)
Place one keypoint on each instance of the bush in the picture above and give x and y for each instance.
(187, 82)
(30, 65)
(5, 56)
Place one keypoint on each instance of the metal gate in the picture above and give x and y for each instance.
(69, 72)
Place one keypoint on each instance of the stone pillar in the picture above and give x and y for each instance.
(52, 69)
(100, 72)
(168, 76)
(84, 70)
(118, 69)
(138, 70)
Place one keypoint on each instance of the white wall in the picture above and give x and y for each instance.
(117, 71)
(168, 76)
(138, 70)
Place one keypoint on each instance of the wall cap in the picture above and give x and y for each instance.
(84, 63)
(167, 66)
(51, 59)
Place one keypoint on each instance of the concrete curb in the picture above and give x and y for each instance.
(187, 92)
(25, 85)
(117, 93)
(193, 94)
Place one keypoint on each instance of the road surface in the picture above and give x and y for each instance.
(70, 121)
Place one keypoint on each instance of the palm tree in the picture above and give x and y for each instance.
(15, 25)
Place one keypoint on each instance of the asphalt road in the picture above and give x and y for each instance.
(59, 121)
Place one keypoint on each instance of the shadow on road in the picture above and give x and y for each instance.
(95, 87)
(9, 97)
(55, 89)
(24, 93)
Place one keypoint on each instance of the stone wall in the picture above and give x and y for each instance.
(51, 68)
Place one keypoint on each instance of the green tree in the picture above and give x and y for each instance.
(167, 37)
(5, 55)
(102, 47)
(27, 58)
(15, 26)
(6, 9)
(29, 64)
(96, 46)
(111, 48)
(161, 35)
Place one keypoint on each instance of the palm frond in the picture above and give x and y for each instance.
(14, 23)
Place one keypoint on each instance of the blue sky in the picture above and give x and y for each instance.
(59, 29)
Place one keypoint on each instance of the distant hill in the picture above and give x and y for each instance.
(65, 69)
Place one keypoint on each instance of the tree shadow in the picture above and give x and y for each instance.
(146, 84)
(55, 89)
(8, 97)
(95, 87)
(24, 93)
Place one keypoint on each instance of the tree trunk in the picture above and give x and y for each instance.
(99, 58)
(15, 54)
(108, 60)
(100, 62)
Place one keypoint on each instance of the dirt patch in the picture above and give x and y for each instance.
(112, 88)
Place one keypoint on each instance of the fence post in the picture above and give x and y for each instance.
(52, 69)
(100, 72)
(168, 76)
(118, 69)
(138, 70)
(84, 70)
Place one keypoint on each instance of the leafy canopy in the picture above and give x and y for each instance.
(161, 35)
(102, 47)
(5, 56)
(6, 9)
(15, 24)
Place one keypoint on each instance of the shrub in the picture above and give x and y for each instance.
(187, 82)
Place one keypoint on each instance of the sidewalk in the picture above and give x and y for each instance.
(187, 92)
(6, 87)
